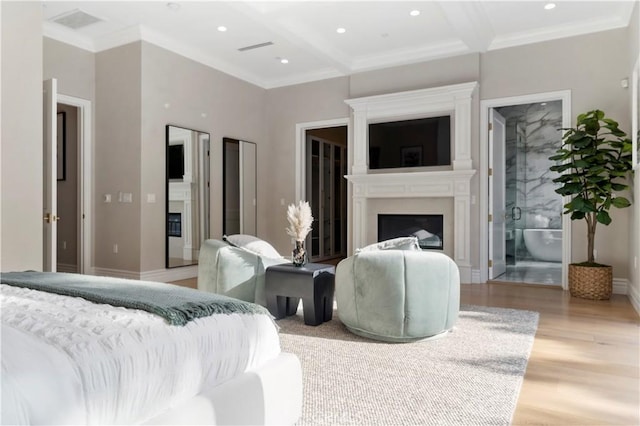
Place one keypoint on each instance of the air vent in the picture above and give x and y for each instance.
(255, 46)
(75, 19)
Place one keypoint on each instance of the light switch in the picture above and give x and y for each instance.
(151, 198)
(127, 197)
(107, 198)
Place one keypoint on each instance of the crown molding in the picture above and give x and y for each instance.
(64, 35)
(554, 33)
(410, 56)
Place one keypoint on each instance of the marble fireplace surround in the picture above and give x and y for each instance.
(455, 100)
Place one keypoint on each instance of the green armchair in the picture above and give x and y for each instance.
(234, 271)
(398, 295)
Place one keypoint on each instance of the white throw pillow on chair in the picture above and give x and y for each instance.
(252, 244)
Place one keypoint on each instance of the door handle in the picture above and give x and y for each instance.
(51, 218)
(513, 213)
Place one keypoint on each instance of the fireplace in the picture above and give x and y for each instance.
(427, 227)
(422, 183)
(174, 225)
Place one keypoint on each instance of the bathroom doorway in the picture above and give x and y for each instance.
(527, 232)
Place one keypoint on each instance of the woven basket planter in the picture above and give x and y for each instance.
(591, 282)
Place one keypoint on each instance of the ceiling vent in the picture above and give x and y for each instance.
(255, 46)
(75, 19)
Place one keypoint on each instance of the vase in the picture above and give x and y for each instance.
(299, 255)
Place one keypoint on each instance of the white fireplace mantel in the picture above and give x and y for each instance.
(455, 100)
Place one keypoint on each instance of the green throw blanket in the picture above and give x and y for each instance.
(178, 305)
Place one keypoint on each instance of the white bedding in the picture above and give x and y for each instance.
(67, 360)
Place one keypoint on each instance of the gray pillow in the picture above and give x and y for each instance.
(400, 243)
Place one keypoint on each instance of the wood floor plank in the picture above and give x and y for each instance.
(584, 367)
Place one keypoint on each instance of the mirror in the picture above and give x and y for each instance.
(239, 187)
(187, 178)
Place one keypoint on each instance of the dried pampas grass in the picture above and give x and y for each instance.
(300, 220)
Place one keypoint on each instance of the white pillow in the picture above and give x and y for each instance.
(400, 243)
(253, 244)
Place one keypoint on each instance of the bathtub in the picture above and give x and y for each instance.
(544, 244)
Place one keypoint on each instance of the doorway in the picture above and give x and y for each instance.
(321, 164)
(67, 189)
(528, 236)
(74, 185)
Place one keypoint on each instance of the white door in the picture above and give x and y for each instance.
(50, 175)
(497, 242)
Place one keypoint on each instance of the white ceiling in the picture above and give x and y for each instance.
(378, 34)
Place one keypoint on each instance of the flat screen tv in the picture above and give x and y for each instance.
(175, 162)
(420, 142)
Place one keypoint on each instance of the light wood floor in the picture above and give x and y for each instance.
(585, 361)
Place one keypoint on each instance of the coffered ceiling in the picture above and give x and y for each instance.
(260, 35)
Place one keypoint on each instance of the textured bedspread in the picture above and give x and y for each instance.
(69, 361)
(176, 304)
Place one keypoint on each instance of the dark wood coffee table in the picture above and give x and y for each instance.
(314, 283)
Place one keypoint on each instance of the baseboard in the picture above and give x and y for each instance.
(634, 297)
(65, 267)
(159, 275)
(620, 285)
(475, 276)
(116, 273)
(168, 275)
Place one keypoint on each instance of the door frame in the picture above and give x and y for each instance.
(301, 161)
(498, 216)
(85, 180)
(485, 105)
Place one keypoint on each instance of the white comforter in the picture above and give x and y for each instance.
(69, 361)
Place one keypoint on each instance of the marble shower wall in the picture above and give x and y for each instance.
(532, 135)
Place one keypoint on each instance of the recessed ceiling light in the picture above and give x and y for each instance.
(414, 12)
(543, 104)
(173, 6)
(284, 61)
(549, 6)
(341, 30)
(222, 28)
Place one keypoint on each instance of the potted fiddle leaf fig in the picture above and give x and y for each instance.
(594, 162)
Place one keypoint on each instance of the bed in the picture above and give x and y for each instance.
(67, 360)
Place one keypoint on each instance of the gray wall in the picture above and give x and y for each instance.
(232, 108)
(118, 157)
(21, 136)
(287, 106)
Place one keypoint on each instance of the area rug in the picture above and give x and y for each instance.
(470, 376)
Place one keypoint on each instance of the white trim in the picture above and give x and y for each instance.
(85, 179)
(485, 105)
(634, 297)
(475, 276)
(159, 275)
(300, 149)
(455, 100)
(116, 273)
(558, 32)
(169, 275)
(620, 286)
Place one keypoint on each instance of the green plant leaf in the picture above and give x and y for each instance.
(603, 217)
(621, 202)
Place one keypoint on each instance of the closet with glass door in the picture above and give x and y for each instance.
(326, 193)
